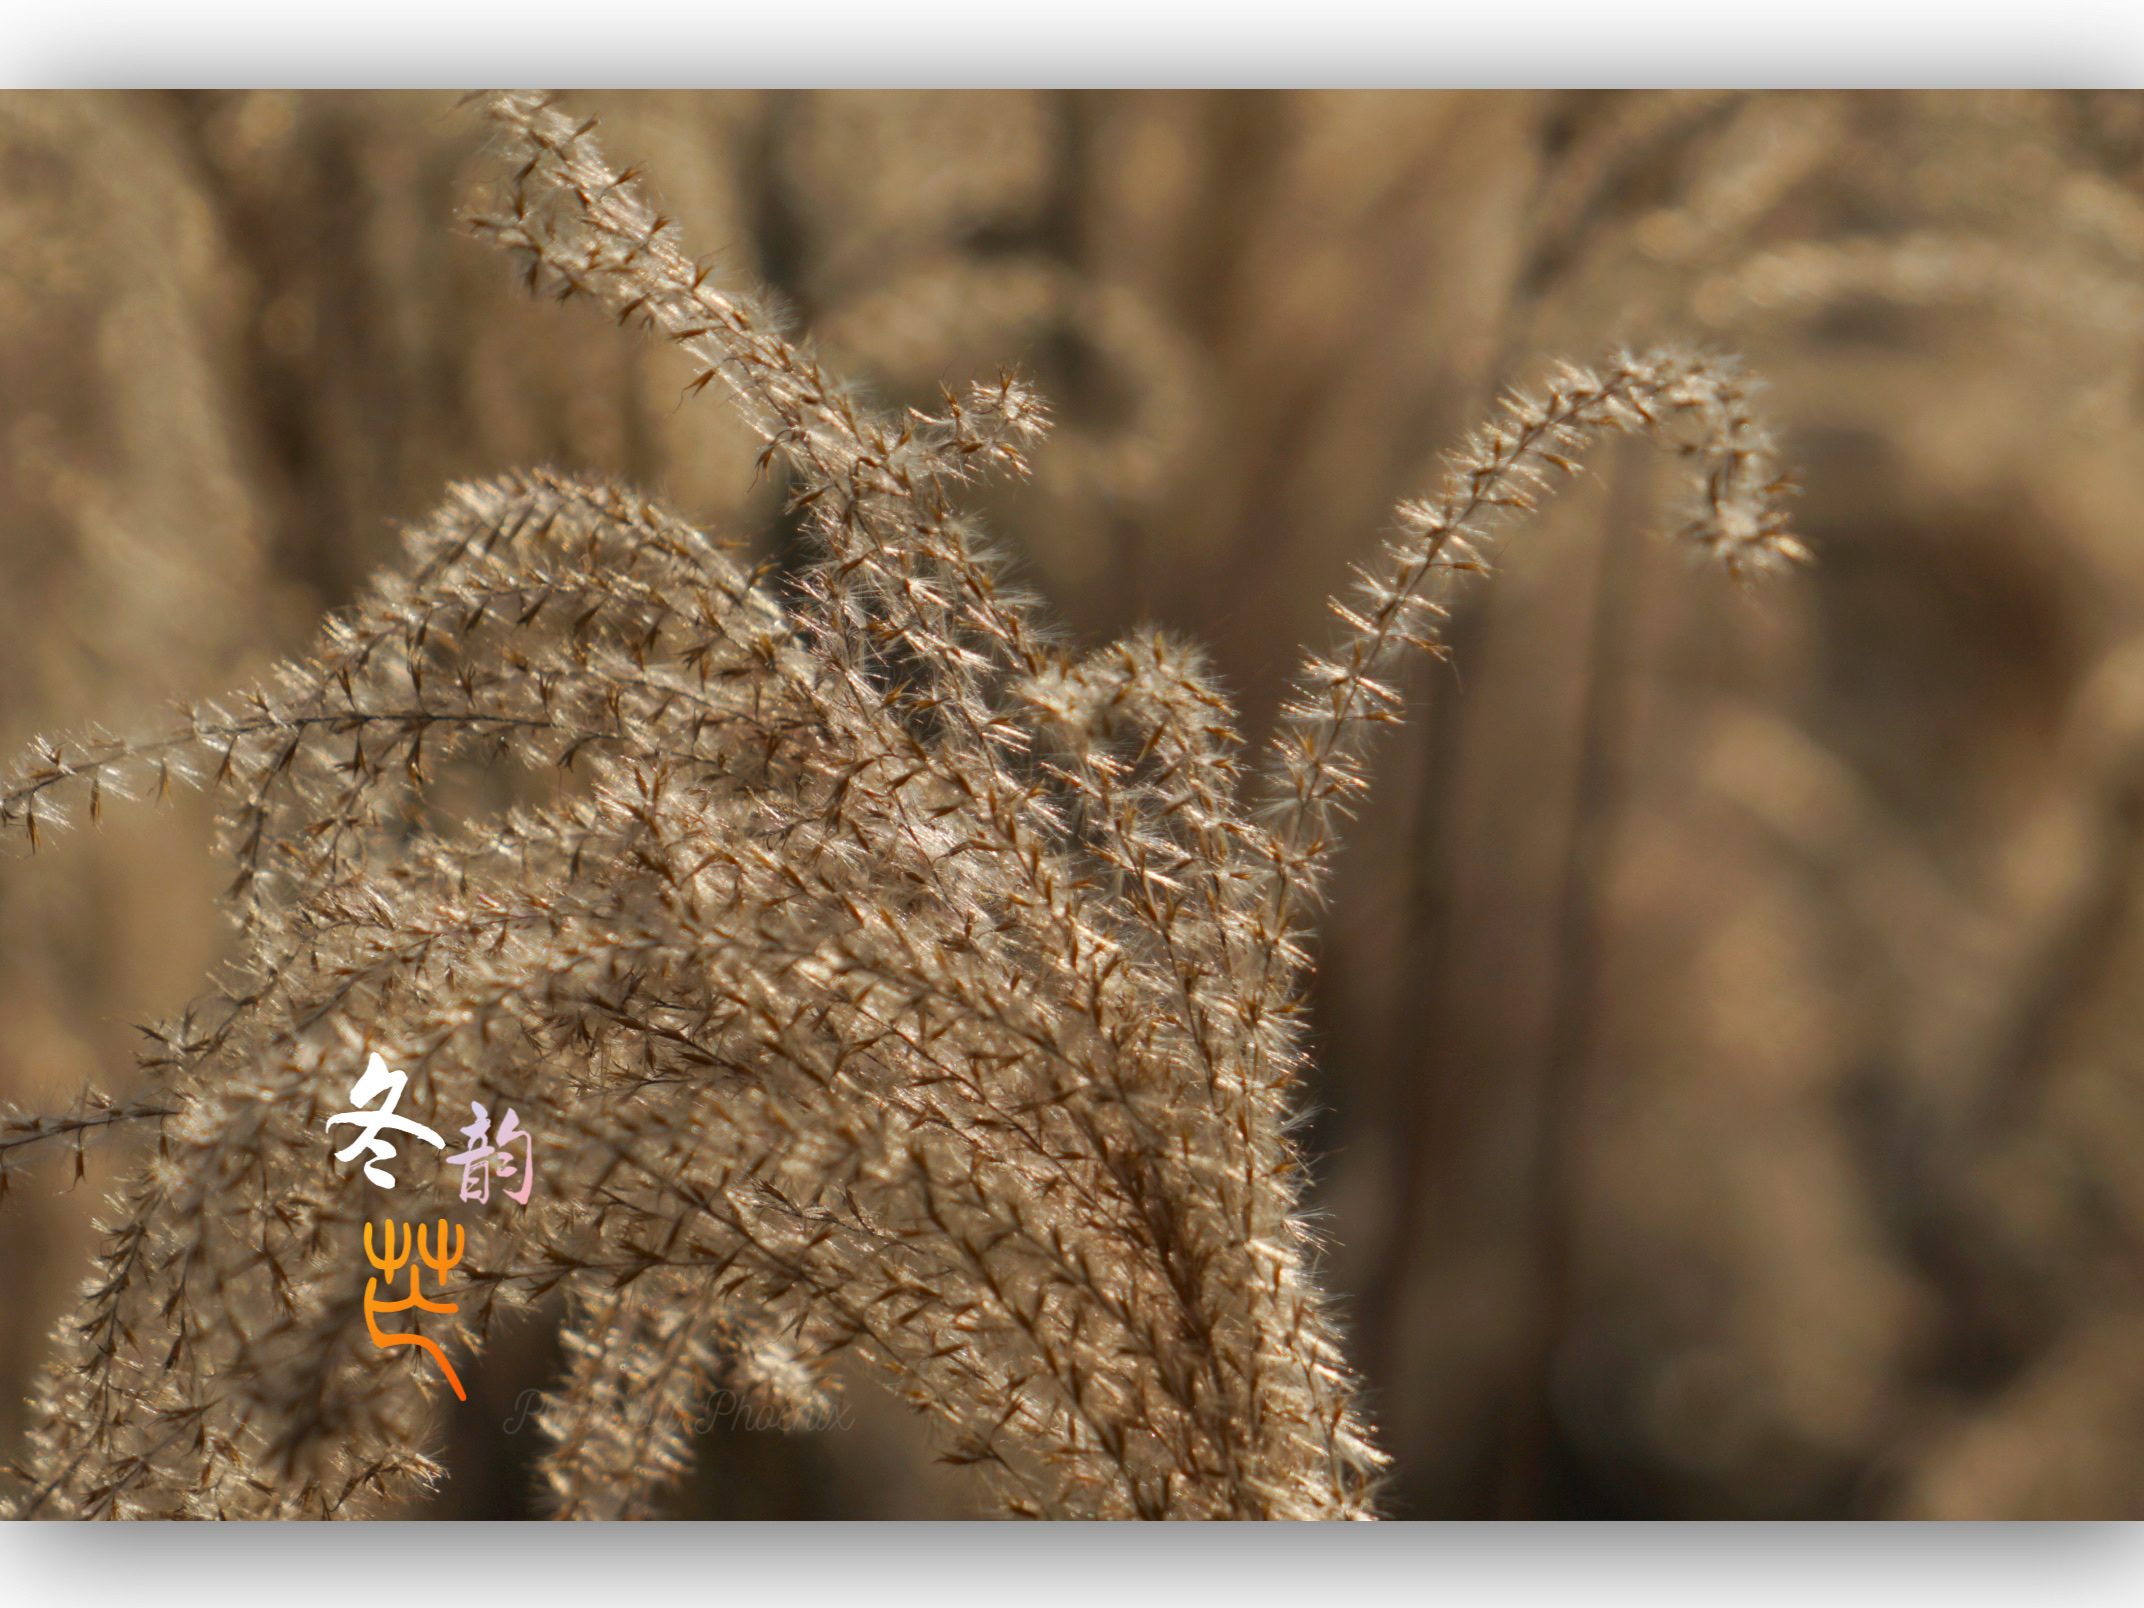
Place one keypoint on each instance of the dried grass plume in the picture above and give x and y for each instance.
(879, 974)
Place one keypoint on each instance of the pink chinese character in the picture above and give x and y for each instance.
(483, 1157)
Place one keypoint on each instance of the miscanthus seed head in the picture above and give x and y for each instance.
(882, 977)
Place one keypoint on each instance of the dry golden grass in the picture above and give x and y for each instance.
(1726, 1101)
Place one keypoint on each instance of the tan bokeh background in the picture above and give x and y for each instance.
(1730, 1032)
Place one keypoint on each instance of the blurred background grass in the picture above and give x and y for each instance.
(1730, 1047)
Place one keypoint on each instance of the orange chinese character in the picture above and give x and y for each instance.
(393, 1263)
